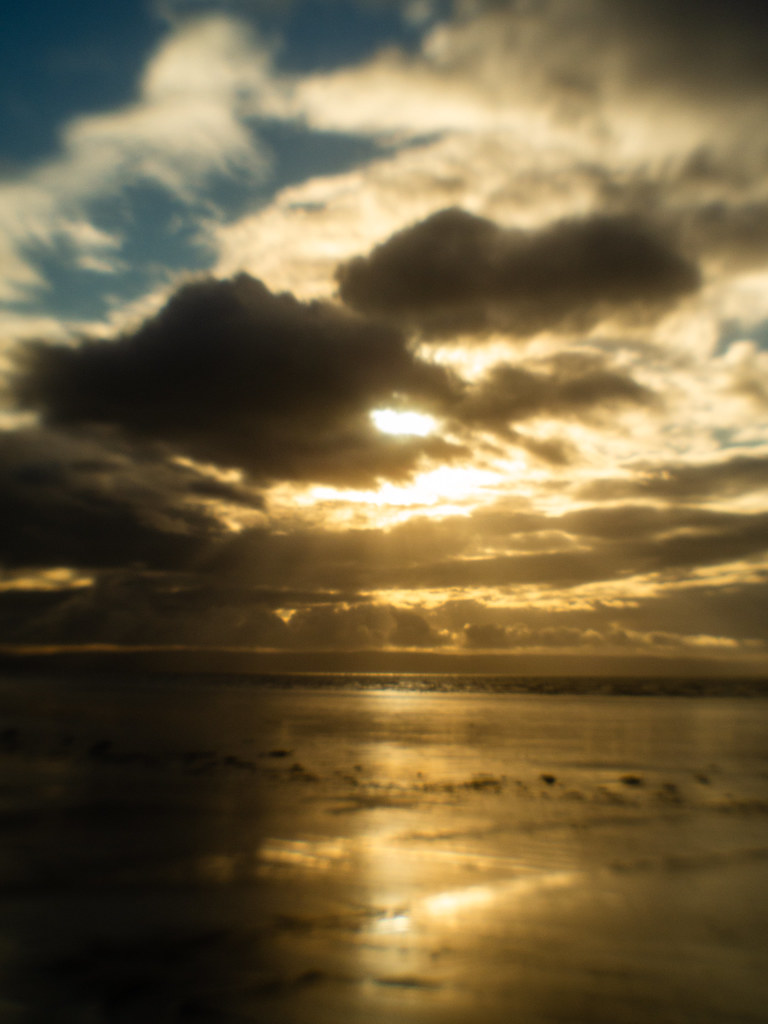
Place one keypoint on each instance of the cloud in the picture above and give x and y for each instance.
(140, 608)
(707, 46)
(731, 609)
(532, 112)
(550, 69)
(746, 368)
(149, 609)
(741, 474)
(569, 388)
(527, 114)
(680, 613)
(732, 540)
(359, 626)
(188, 123)
(229, 373)
(546, 168)
(618, 522)
(321, 559)
(455, 271)
(490, 636)
(80, 501)
(309, 228)
(744, 537)
(728, 231)
(299, 589)
(494, 549)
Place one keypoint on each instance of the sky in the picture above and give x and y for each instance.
(431, 329)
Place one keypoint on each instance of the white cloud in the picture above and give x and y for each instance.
(544, 71)
(188, 122)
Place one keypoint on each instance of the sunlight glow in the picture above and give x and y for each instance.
(451, 904)
(46, 580)
(432, 488)
(392, 421)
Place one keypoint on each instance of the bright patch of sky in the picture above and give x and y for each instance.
(404, 422)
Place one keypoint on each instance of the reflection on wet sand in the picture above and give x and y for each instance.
(379, 860)
(306, 857)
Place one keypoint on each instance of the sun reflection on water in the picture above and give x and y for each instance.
(397, 875)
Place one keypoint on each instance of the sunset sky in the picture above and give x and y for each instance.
(433, 326)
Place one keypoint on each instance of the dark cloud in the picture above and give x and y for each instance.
(72, 503)
(455, 271)
(703, 48)
(556, 451)
(743, 537)
(553, 568)
(707, 45)
(733, 610)
(72, 500)
(363, 560)
(487, 636)
(568, 388)
(617, 523)
(710, 200)
(230, 373)
(494, 637)
(734, 538)
(134, 606)
(493, 548)
(362, 626)
(143, 609)
(605, 525)
(734, 234)
(337, 560)
(305, 590)
(413, 630)
(741, 474)
(155, 610)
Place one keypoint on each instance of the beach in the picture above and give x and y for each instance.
(207, 849)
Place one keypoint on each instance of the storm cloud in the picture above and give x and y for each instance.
(230, 373)
(578, 388)
(699, 51)
(704, 44)
(75, 500)
(741, 474)
(494, 549)
(455, 271)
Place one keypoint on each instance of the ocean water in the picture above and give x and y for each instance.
(310, 849)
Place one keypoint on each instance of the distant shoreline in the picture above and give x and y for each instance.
(727, 675)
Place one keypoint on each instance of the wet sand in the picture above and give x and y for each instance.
(182, 851)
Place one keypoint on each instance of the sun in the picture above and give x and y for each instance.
(392, 421)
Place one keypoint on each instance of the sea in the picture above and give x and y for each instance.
(431, 849)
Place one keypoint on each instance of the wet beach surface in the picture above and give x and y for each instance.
(184, 851)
